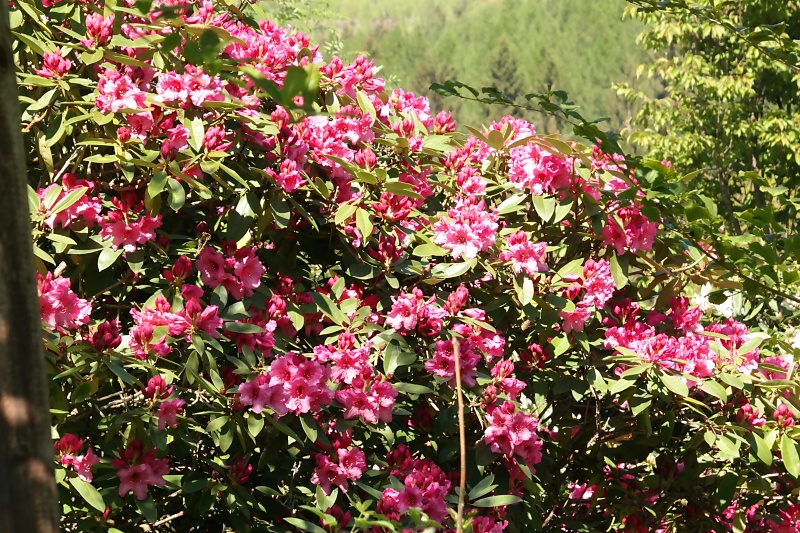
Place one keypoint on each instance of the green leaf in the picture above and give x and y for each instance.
(120, 372)
(148, 509)
(790, 456)
(304, 525)
(620, 277)
(714, 389)
(177, 196)
(411, 388)
(157, 184)
(89, 493)
(69, 200)
(621, 385)
(255, 423)
(330, 309)
(401, 188)
(545, 206)
(727, 446)
(596, 380)
(511, 204)
(439, 143)
(452, 270)
(243, 327)
(325, 502)
(194, 485)
(216, 424)
(496, 139)
(496, 501)
(366, 105)
(674, 383)
(484, 486)
(428, 250)
(311, 431)
(107, 258)
(759, 448)
(395, 356)
(364, 224)
(196, 133)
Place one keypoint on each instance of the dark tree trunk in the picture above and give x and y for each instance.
(28, 502)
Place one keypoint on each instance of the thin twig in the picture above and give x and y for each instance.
(462, 440)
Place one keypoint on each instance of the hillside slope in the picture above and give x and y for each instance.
(519, 46)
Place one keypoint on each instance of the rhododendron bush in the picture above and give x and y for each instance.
(262, 274)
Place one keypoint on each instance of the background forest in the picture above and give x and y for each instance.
(578, 46)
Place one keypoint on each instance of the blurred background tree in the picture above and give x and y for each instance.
(519, 47)
(729, 110)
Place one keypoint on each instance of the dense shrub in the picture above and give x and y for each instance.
(260, 274)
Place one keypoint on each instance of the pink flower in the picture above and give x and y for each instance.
(288, 177)
(85, 211)
(168, 413)
(98, 30)
(67, 449)
(467, 230)
(171, 87)
(54, 65)
(59, 306)
(116, 91)
(598, 282)
(82, 464)
(157, 388)
(211, 265)
(575, 320)
(127, 234)
(358, 404)
(352, 463)
(107, 336)
(327, 474)
(137, 479)
(177, 140)
(524, 255)
(137, 471)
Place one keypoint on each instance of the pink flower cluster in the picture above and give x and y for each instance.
(239, 271)
(675, 340)
(349, 463)
(425, 486)
(139, 470)
(629, 229)
(534, 168)
(67, 449)
(443, 362)
(59, 306)
(157, 391)
(411, 311)
(513, 433)
(98, 30)
(292, 384)
(127, 226)
(84, 212)
(194, 317)
(142, 335)
(54, 65)
(193, 86)
(596, 285)
(361, 393)
(116, 91)
(467, 229)
(524, 255)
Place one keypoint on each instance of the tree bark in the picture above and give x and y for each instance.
(28, 502)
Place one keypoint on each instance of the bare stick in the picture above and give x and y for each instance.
(462, 439)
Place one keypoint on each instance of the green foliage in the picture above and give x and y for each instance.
(728, 123)
(514, 46)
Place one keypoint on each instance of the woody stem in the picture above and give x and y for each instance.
(461, 439)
